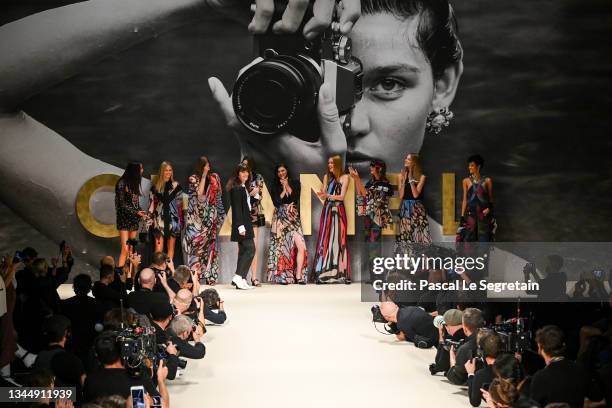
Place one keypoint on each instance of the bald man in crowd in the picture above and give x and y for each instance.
(143, 299)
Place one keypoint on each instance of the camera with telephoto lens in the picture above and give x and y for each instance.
(514, 338)
(279, 90)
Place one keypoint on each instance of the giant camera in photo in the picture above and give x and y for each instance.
(279, 90)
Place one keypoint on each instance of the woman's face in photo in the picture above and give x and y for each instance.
(167, 173)
(281, 173)
(473, 168)
(398, 89)
(141, 169)
(408, 162)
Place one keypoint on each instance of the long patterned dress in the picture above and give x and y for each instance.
(413, 223)
(478, 227)
(257, 211)
(127, 205)
(285, 233)
(331, 263)
(203, 221)
(167, 210)
(374, 207)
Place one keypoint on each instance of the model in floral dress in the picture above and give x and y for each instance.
(373, 205)
(413, 223)
(288, 258)
(127, 207)
(203, 220)
(166, 210)
(332, 263)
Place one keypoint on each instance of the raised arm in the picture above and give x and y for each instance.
(48, 47)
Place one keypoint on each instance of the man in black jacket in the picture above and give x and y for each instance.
(472, 321)
(491, 346)
(161, 315)
(414, 324)
(561, 380)
(449, 327)
(181, 328)
(143, 299)
(103, 291)
(242, 228)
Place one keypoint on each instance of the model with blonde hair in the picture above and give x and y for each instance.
(331, 263)
(166, 209)
(413, 223)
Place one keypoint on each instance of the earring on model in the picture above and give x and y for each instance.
(438, 119)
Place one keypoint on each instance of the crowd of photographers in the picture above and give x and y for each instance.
(509, 354)
(136, 332)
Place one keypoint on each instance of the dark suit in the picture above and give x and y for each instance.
(242, 216)
(143, 300)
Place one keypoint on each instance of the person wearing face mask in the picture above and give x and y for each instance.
(413, 223)
(288, 258)
(166, 209)
(331, 262)
(242, 228)
(203, 220)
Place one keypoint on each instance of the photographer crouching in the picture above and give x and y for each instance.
(181, 329)
(450, 332)
(409, 323)
(472, 321)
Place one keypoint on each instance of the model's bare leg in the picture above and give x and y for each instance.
(171, 245)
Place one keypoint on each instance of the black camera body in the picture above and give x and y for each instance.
(137, 344)
(448, 343)
(514, 338)
(279, 90)
(377, 317)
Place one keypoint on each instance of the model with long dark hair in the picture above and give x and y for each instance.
(477, 221)
(331, 263)
(258, 219)
(166, 209)
(373, 205)
(203, 220)
(242, 227)
(127, 206)
(288, 258)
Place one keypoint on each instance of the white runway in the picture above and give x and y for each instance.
(308, 346)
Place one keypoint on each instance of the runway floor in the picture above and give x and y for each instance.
(308, 346)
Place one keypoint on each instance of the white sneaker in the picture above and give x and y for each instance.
(239, 282)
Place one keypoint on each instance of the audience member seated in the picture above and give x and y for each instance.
(490, 346)
(84, 313)
(102, 290)
(67, 367)
(214, 311)
(413, 323)
(113, 378)
(181, 329)
(561, 380)
(141, 300)
(472, 320)
(510, 387)
(451, 329)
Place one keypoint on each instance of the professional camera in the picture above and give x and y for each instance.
(377, 317)
(138, 343)
(514, 337)
(448, 343)
(279, 90)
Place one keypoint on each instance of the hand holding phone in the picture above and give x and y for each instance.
(138, 396)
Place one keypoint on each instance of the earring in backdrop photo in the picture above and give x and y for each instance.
(438, 119)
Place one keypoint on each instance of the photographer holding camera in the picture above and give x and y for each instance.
(472, 321)
(214, 310)
(489, 347)
(450, 331)
(180, 330)
(143, 299)
(161, 316)
(113, 378)
(413, 324)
